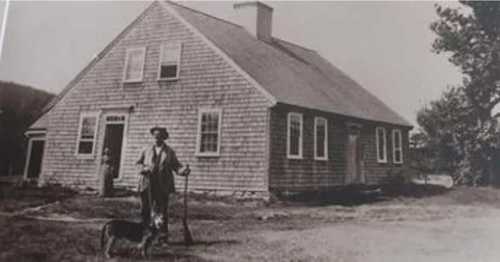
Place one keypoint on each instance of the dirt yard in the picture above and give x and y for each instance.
(425, 225)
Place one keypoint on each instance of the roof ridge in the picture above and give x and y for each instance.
(294, 44)
(313, 66)
(201, 13)
(284, 49)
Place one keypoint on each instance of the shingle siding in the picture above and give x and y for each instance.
(253, 153)
(206, 80)
(310, 174)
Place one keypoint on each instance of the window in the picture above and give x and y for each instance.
(209, 126)
(381, 145)
(134, 64)
(294, 135)
(397, 146)
(320, 138)
(87, 132)
(170, 57)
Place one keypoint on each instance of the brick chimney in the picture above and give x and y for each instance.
(256, 18)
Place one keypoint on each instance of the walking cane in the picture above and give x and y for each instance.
(188, 238)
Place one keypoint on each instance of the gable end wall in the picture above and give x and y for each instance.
(206, 80)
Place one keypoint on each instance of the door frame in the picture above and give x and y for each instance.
(354, 129)
(28, 157)
(124, 139)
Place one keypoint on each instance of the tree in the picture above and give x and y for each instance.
(474, 44)
(464, 118)
(19, 106)
(441, 131)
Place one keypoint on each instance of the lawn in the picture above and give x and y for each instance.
(419, 224)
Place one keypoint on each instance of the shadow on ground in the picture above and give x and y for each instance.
(15, 197)
(206, 243)
(360, 195)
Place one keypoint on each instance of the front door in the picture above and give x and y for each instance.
(35, 159)
(113, 140)
(354, 157)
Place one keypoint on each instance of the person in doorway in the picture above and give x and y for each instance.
(157, 164)
(106, 175)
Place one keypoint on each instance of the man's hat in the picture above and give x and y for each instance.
(163, 131)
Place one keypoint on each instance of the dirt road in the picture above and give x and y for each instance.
(461, 225)
(459, 239)
(458, 233)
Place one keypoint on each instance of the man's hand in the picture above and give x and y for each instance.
(146, 170)
(185, 171)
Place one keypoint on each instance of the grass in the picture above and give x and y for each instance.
(223, 228)
(15, 198)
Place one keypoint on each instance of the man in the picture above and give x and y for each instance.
(157, 165)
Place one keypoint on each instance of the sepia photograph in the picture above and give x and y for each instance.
(196, 131)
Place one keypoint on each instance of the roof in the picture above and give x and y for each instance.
(38, 123)
(41, 123)
(290, 73)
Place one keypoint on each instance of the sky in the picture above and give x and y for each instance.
(384, 46)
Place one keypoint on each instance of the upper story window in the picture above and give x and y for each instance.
(294, 135)
(170, 56)
(134, 64)
(320, 138)
(87, 132)
(209, 128)
(381, 142)
(397, 146)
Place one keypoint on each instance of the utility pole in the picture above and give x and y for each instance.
(4, 26)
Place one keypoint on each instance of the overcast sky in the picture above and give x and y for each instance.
(385, 46)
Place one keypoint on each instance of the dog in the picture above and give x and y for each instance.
(132, 231)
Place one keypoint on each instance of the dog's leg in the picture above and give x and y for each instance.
(141, 246)
(109, 246)
(104, 234)
(147, 247)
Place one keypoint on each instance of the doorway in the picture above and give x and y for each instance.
(113, 140)
(355, 171)
(34, 158)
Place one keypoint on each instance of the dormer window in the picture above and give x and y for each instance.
(170, 56)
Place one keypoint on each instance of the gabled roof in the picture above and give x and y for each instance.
(291, 74)
(43, 121)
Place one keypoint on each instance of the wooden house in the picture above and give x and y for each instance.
(249, 112)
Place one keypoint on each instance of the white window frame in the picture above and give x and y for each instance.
(394, 149)
(127, 58)
(179, 55)
(94, 140)
(316, 122)
(201, 111)
(381, 160)
(288, 148)
(28, 156)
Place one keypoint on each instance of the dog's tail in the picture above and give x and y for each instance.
(103, 235)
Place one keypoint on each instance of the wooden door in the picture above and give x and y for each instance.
(113, 140)
(355, 155)
(352, 167)
(35, 159)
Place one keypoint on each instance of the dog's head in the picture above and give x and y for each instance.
(157, 221)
